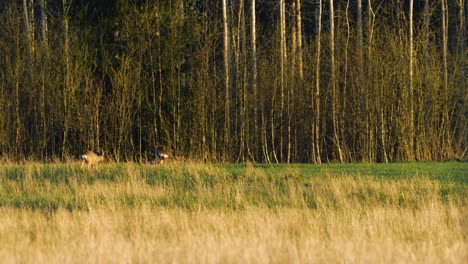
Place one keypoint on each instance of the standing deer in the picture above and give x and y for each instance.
(161, 154)
(91, 158)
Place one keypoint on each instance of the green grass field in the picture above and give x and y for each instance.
(193, 212)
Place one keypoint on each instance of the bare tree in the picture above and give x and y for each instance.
(45, 52)
(160, 76)
(29, 34)
(368, 147)
(299, 56)
(227, 81)
(359, 30)
(254, 76)
(27, 28)
(411, 85)
(241, 78)
(66, 86)
(283, 60)
(333, 83)
(461, 30)
(463, 70)
(346, 93)
(316, 148)
(445, 118)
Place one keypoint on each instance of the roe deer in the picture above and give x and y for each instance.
(161, 154)
(92, 158)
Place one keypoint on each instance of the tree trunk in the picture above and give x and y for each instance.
(462, 32)
(316, 98)
(227, 81)
(241, 71)
(359, 32)
(411, 87)
(66, 86)
(299, 40)
(27, 29)
(462, 68)
(335, 136)
(444, 129)
(31, 25)
(45, 52)
(283, 59)
(369, 147)
(257, 136)
(18, 123)
(346, 94)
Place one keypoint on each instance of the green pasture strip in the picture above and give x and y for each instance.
(47, 187)
(441, 171)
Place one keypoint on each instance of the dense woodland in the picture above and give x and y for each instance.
(234, 80)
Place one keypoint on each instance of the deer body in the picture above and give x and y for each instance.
(91, 158)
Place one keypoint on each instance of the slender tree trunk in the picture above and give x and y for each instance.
(336, 138)
(245, 104)
(462, 83)
(462, 33)
(366, 95)
(27, 29)
(241, 70)
(204, 95)
(227, 81)
(359, 31)
(358, 133)
(427, 21)
(411, 87)
(66, 87)
(29, 38)
(17, 75)
(162, 123)
(444, 130)
(283, 58)
(316, 98)
(31, 25)
(45, 52)
(156, 99)
(44, 28)
(254, 80)
(346, 91)
(293, 45)
(97, 102)
(299, 40)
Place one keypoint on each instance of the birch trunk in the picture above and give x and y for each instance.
(333, 84)
(369, 147)
(411, 87)
(66, 86)
(256, 102)
(227, 101)
(45, 51)
(31, 25)
(299, 40)
(444, 124)
(316, 126)
(359, 31)
(283, 58)
(346, 91)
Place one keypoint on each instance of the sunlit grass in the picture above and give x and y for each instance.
(193, 212)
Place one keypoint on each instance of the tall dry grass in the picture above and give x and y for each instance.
(432, 234)
(198, 213)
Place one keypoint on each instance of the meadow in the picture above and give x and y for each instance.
(230, 213)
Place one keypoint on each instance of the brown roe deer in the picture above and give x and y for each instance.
(92, 159)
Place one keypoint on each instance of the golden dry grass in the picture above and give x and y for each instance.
(432, 234)
(289, 218)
